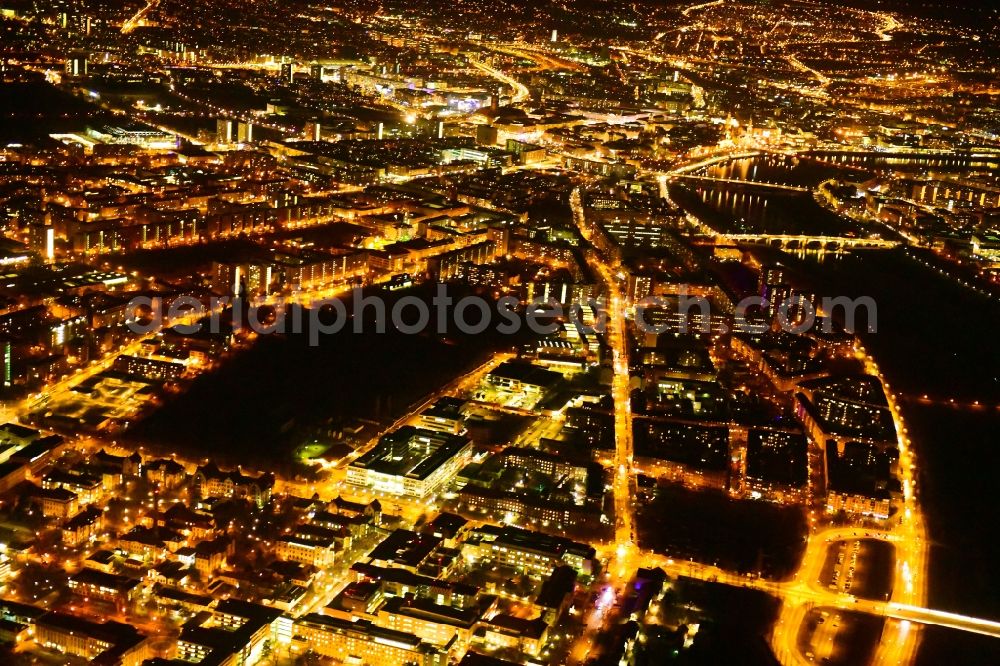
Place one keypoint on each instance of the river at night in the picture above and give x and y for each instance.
(933, 337)
(936, 338)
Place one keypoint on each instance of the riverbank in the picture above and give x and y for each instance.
(933, 336)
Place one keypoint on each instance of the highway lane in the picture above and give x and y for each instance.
(137, 19)
(521, 93)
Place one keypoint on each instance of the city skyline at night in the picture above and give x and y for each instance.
(583, 333)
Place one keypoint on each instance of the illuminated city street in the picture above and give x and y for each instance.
(432, 334)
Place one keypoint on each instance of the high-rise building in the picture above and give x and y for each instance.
(75, 23)
(773, 289)
(773, 275)
(286, 73)
(7, 347)
(223, 130)
(314, 131)
(244, 132)
(76, 65)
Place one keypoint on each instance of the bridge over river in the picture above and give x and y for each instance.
(792, 241)
(736, 183)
